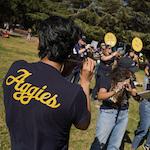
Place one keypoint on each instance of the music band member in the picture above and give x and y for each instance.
(41, 105)
(79, 51)
(144, 112)
(107, 60)
(114, 92)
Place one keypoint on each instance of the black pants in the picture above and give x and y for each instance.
(96, 145)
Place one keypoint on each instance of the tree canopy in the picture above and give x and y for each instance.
(125, 18)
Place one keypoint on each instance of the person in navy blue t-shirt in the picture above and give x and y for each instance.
(114, 91)
(41, 105)
(79, 52)
(107, 60)
(144, 113)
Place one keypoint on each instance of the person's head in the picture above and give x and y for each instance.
(127, 63)
(107, 51)
(131, 53)
(82, 40)
(57, 37)
(120, 75)
(103, 46)
(108, 47)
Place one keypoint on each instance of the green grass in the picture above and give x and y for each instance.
(17, 49)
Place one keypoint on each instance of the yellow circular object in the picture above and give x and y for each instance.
(110, 39)
(137, 44)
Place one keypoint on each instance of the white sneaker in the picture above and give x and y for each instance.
(146, 147)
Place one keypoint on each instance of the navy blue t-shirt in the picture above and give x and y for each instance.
(76, 50)
(105, 82)
(41, 106)
(105, 67)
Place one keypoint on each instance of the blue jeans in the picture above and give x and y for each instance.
(111, 125)
(146, 81)
(143, 126)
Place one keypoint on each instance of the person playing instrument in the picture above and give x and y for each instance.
(147, 74)
(79, 51)
(41, 105)
(107, 60)
(144, 112)
(114, 92)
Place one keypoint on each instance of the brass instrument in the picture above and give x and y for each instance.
(117, 98)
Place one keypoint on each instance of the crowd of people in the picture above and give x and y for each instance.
(15, 29)
(42, 100)
(115, 72)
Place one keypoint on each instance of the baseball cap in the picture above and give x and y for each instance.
(127, 63)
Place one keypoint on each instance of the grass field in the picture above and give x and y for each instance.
(18, 48)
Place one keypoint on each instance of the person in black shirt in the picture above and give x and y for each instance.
(107, 60)
(114, 91)
(147, 76)
(41, 105)
(80, 48)
(80, 52)
(144, 113)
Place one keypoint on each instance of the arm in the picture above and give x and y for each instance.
(114, 64)
(81, 115)
(136, 59)
(82, 50)
(85, 78)
(103, 94)
(135, 95)
(130, 87)
(106, 58)
(146, 70)
(133, 92)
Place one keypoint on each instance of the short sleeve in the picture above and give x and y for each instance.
(104, 82)
(79, 111)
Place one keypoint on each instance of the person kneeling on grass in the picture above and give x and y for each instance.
(41, 105)
(114, 91)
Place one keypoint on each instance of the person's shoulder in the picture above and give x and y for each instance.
(19, 62)
(15, 66)
(77, 46)
(105, 81)
(72, 86)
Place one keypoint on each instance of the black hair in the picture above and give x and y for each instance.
(57, 37)
(108, 46)
(128, 48)
(119, 74)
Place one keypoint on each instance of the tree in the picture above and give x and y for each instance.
(126, 18)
